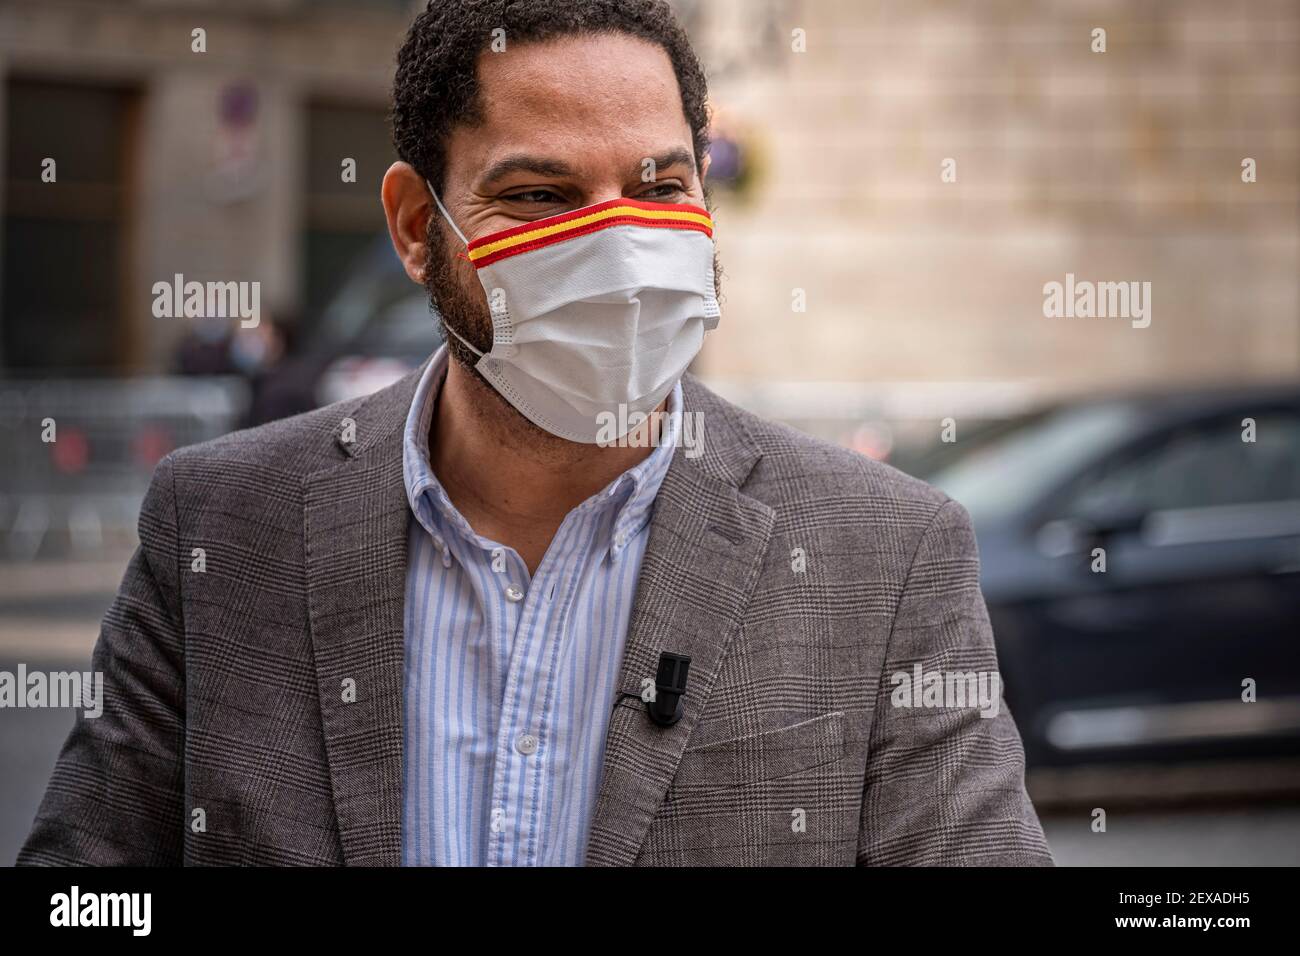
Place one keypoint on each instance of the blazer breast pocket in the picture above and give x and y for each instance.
(769, 755)
(781, 797)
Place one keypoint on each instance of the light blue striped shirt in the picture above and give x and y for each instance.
(510, 679)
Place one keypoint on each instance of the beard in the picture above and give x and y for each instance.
(459, 301)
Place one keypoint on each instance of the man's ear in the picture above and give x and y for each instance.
(407, 207)
(704, 167)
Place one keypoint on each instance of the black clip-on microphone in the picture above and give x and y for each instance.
(670, 684)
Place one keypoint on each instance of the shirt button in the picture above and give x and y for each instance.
(526, 744)
(514, 594)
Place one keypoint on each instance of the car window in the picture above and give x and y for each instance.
(926, 458)
(1202, 467)
(404, 329)
(375, 281)
(998, 476)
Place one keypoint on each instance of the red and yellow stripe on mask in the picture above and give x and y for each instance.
(582, 222)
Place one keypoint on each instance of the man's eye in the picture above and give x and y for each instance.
(662, 191)
(535, 196)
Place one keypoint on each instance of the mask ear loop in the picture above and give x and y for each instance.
(446, 215)
(446, 325)
(456, 229)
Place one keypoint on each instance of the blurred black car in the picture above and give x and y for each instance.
(375, 329)
(1199, 528)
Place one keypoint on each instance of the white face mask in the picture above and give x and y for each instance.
(594, 309)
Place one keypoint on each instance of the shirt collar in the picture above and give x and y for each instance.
(631, 495)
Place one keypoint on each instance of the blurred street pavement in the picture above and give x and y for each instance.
(49, 619)
(50, 610)
(1214, 836)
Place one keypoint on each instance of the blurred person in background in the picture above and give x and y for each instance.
(547, 600)
(264, 358)
(260, 355)
(205, 349)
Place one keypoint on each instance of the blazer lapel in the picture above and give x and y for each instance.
(706, 544)
(356, 517)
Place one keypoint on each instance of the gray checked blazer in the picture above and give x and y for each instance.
(225, 738)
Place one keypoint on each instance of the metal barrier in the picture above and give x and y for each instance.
(79, 453)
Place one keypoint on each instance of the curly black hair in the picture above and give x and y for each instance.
(436, 85)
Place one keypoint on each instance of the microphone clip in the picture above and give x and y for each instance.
(670, 685)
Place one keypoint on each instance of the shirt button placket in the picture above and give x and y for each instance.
(523, 743)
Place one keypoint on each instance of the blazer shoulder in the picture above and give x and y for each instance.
(291, 444)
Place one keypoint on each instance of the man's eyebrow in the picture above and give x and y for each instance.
(674, 157)
(523, 163)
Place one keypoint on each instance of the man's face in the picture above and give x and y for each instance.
(566, 123)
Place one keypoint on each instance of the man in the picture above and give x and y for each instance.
(425, 627)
